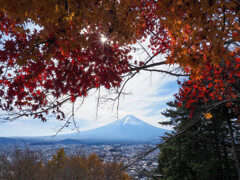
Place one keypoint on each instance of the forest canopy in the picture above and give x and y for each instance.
(65, 57)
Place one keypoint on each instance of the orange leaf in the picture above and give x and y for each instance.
(208, 115)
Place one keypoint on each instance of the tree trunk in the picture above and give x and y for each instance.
(234, 150)
(225, 153)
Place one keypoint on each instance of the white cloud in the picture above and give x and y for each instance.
(146, 97)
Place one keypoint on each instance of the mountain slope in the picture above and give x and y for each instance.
(129, 129)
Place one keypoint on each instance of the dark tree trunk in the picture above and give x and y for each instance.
(225, 153)
(234, 150)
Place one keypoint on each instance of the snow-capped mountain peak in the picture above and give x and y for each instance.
(129, 120)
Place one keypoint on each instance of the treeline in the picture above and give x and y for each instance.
(201, 148)
(30, 165)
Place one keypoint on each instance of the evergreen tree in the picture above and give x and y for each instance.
(201, 151)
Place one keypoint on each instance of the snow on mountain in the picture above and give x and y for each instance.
(130, 120)
(126, 130)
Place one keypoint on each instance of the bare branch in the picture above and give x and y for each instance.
(144, 49)
(98, 100)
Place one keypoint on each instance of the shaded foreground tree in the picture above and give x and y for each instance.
(26, 164)
(218, 89)
(203, 151)
(65, 58)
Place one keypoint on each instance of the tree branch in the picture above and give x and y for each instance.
(167, 72)
(148, 66)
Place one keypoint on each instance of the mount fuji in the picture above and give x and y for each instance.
(128, 130)
(124, 131)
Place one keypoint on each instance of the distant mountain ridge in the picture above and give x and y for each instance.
(128, 130)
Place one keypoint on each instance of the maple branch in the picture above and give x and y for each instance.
(154, 34)
(148, 66)
(229, 42)
(137, 69)
(69, 121)
(224, 18)
(11, 116)
(66, 5)
(74, 121)
(98, 100)
(237, 3)
(167, 72)
(120, 92)
(114, 18)
(62, 127)
(144, 49)
(1, 16)
(28, 112)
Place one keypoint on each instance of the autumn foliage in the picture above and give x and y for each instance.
(51, 51)
(204, 40)
(218, 85)
(27, 164)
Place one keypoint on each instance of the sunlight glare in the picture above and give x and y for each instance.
(103, 39)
